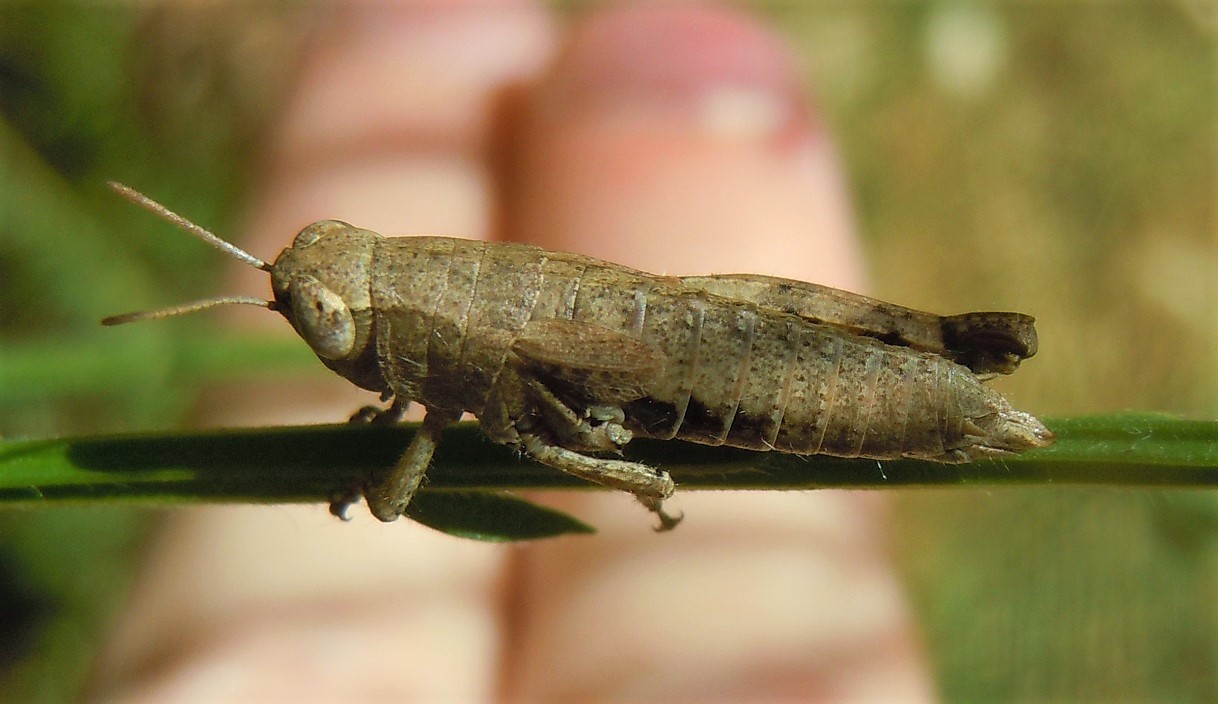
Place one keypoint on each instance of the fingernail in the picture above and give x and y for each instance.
(710, 68)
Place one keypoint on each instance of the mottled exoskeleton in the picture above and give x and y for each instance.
(562, 355)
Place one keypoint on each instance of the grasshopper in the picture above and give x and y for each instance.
(567, 357)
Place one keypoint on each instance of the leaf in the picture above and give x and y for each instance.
(463, 495)
(492, 517)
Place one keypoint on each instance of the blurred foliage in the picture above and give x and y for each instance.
(86, 95)
(1063, 166)
(1055, 158)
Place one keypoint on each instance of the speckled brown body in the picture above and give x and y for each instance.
(563, 355)
(446, 314)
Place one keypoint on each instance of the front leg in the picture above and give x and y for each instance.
(340, 502)
(381, 416)
(388, 498)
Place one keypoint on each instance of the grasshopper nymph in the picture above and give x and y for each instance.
(561, 355)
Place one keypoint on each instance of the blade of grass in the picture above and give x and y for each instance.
(309, 464)
(491, 517)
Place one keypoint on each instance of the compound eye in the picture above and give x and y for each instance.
(322, 318)
(314, 232)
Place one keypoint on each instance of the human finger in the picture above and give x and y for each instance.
(679, 140)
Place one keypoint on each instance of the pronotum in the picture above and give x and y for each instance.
(562, 355)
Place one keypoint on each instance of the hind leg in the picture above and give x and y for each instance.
(650, 486)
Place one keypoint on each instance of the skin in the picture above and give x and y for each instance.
(699, 154)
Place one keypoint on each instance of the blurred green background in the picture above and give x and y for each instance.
(1056, 158)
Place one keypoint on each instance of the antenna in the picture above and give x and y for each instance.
(228, 248)
(185, 308)
(157, 209)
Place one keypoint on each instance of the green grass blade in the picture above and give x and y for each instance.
(493, 517)
(312, 464)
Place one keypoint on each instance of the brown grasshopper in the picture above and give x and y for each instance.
(561, 355)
